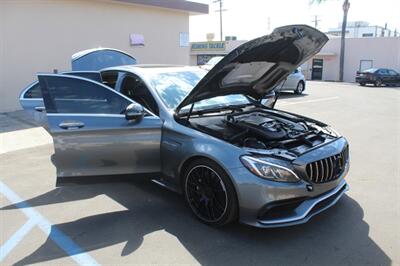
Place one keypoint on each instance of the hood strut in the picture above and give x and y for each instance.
(189, 113)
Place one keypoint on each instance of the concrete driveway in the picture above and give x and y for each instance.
(138, 222)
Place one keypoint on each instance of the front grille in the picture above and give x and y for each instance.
(328, 169)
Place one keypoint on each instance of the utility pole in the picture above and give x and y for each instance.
(220, 10)
(316, 20)
(346, 6)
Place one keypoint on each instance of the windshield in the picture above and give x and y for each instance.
(173, 87)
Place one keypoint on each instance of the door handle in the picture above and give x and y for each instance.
(40, 109)
(71, 125)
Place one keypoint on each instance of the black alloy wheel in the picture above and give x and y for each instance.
(210, 193)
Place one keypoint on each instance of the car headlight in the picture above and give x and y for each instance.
(268, 170)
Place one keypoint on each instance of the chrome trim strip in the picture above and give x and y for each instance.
(306, 207)
(331, 168)
(88, 115)
(317, 174)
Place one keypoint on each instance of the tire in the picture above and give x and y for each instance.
(210, 193)
(378, 83)
(300, 87)
(362, 84)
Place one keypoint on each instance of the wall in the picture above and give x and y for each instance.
(39, 36)
(384, 51)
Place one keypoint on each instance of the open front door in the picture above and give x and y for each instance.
(90, 132)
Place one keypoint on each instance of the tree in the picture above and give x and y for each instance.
(346, 6)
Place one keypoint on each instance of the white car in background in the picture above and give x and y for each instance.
(295, 82)
(211, 63)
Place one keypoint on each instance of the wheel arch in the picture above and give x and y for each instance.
(189, 160)
(184, 165)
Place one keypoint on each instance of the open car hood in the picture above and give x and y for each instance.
(256, 67)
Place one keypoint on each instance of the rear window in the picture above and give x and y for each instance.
(34, 92)
(370, 70)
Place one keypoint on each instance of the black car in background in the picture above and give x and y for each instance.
(378, 77)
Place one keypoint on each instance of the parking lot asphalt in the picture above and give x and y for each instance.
(138, 222)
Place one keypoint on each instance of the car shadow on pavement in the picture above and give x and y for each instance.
(17, 120)
(336, 237)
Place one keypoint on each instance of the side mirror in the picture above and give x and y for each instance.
(134, 111)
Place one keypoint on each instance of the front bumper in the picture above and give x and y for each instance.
(265, 203)
(307, 209)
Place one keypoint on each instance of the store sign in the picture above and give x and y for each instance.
(207, 46)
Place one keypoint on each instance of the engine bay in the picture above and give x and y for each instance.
(268, 132)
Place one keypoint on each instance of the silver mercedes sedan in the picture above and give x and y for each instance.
(204, 134)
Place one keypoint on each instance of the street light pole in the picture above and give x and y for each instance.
(220, 19)
(220, 10)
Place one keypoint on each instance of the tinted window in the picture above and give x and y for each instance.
(72, 95)
(110, 78)
(102, 59)
(93, 75)
(392, 72)
(33, 92)
(383, 71)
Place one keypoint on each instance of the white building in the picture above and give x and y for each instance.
(360, 54)
(362, 29)
(41, 35)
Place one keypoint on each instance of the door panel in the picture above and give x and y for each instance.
(105, 145)
(291, 81)
(90, 135)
